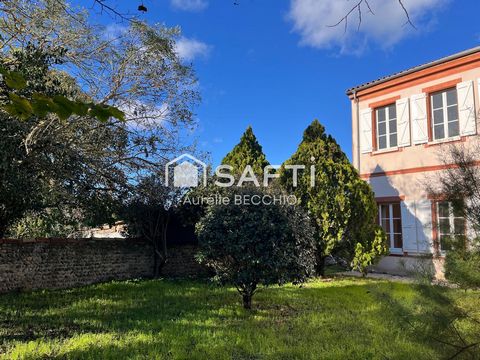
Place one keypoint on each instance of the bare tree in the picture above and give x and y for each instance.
(451, 322)
(148, 212)
(459, 183)
(360, 6)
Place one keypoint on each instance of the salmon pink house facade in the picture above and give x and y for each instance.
(401, 123)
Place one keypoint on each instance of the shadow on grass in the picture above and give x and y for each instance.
(186, 319)
(445, 317)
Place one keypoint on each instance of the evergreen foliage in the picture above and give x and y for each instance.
(341, 205)
(247, 152)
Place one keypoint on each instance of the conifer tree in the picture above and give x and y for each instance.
(247, 152)
(341, 205)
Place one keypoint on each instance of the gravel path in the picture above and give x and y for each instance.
(381, 276)
(389, 277)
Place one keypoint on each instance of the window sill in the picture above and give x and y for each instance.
(396, 252)
(444, 141)
(385, 151)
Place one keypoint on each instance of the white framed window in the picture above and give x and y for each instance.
(386, 126)
(444, 110)
(390, 220)
(450, 226)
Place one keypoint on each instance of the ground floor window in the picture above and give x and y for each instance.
(450, 226)
(391, 221)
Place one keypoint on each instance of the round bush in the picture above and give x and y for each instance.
(251, 245)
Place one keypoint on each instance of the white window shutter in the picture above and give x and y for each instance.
(403, 122)
(409, 235)
(366, 131)
(423, 215)
(466, 108)
(419, 118)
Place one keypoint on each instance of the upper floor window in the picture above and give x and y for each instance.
(391, 221)
(386, 117)
(444, 114)
(451, 226)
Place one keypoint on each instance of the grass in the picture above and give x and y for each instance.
(163, 319)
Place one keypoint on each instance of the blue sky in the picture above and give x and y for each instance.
(276, 65)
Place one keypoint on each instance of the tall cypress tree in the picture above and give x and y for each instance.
(340, 204)
(247, 152)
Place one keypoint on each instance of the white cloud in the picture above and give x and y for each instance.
(189, 49)
(190, 5)
(313, 20)
(114, 31)
(143, 116)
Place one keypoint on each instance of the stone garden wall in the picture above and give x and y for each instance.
(64, 263)
(181, 263)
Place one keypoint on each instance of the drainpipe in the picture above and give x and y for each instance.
(357, 115)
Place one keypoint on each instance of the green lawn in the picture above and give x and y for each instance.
(163, 319)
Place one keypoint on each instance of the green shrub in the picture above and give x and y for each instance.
(462, 267)
(368, 254)
(252, 245)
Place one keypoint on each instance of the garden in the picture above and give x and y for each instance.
(163, 319)
(90, 119)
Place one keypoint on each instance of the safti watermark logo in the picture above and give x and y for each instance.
(188, 171)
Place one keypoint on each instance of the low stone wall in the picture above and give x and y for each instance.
(64, 263)
(181, 263)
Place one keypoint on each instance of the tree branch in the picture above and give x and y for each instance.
(409, 21)
(112, 10)
(358, 8)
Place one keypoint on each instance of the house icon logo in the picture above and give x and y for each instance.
(187, 171)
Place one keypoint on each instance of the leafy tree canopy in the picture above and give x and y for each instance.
(64, 72)
(63, 168)
(41, 105)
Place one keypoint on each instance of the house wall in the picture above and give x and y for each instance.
(413, 156)
(404, 172)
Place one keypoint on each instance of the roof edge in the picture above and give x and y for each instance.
(413, 70)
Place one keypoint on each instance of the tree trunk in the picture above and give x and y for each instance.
(3, 230)
(155, 261)
(320, 264)
(161, 260)
(247, 301)
(247, 291)
(158, 230)
(163, 245)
